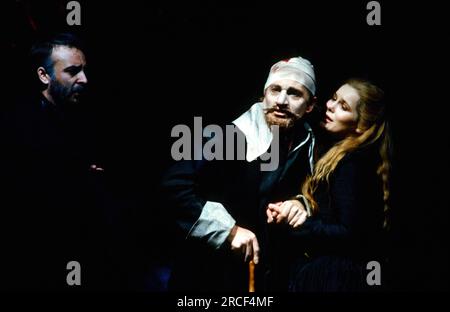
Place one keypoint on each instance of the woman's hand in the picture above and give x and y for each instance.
(291, 212)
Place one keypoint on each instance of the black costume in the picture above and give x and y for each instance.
(53, 203)
(209, 197)
(335, 246)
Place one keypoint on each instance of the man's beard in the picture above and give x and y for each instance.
(63, 95)
(285, 122)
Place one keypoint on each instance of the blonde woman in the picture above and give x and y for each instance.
(336, 225)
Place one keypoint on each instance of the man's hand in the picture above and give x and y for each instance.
(291, 212)
(244, 242)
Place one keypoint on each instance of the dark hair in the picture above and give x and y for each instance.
(41, 52)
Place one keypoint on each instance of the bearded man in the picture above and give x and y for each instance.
(54, 209)
(219, 206)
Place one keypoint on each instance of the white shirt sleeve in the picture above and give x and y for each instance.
(214, 224)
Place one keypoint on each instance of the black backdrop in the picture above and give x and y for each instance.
(154, 65)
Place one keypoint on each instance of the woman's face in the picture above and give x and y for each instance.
(342, 117)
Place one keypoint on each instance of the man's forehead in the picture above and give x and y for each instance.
(68, 56)
(287, 84)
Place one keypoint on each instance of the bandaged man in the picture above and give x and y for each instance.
(219, 205)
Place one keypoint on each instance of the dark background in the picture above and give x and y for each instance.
(158, 64)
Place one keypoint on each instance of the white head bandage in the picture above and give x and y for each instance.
(297, 69)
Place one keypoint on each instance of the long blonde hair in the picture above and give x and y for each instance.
(374, 127)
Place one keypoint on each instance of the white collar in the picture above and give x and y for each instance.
(258, 135)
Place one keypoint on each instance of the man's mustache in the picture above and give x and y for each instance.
(287, 112)
(78, 89)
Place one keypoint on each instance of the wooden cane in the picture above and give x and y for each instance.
(251, 276)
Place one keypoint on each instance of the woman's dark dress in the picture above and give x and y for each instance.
(346, 234)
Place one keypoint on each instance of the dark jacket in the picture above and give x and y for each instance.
(335, 246)
(244, 190)
(53, 204)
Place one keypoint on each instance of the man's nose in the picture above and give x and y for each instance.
(282, 98)
(82, 77)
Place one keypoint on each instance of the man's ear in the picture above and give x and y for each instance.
(311, 104)
(43, 76)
